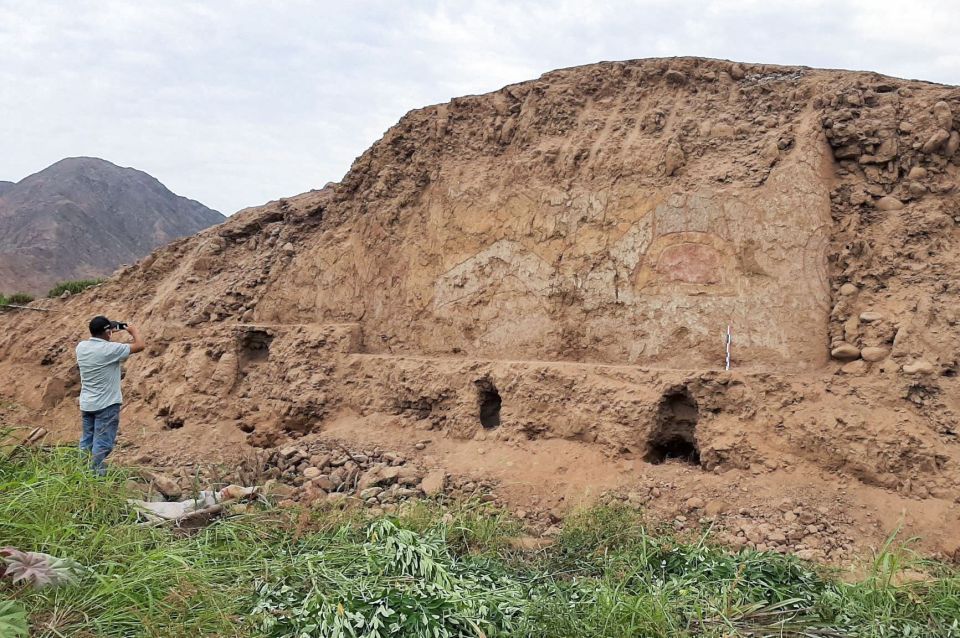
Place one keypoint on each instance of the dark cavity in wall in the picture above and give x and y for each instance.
(255, 346)
(489, 402)
(675, 433)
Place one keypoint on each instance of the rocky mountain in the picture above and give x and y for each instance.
(533, 286)
(82, 217)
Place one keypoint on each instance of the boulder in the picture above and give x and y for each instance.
(935, 141)
(393, 458)
(770, 152)
(379, 474)
(675, 77)
(370, 478)
(312, 493)
(166, 486)
(290, 453)
(888, 203)
(338, 475)
(870, 316)
(370, 492)
(849, 151)
(851, 329)
(311, 473)
(920, 366)
(390, 474)
(845, 351)
(953, 144)
(237, 492)
(943, 115)
(848, 289)
(673, 158)
(887, 151)
(874, 354)
(324, 483)
(917, 190)
(408, 475)
(434, 482)
(279, 490)
(320, 460)
(405, 492)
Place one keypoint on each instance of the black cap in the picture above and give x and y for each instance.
(99, 325)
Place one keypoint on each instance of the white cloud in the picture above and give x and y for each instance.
(238, 101)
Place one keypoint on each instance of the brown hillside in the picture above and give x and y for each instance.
(83, 217)
(533, 285)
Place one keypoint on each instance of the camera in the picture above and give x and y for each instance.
(118, 325)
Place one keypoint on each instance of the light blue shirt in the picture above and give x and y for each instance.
(99, 363)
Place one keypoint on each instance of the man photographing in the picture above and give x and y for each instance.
(99, 361)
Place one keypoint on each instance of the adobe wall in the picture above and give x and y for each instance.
(610, 271)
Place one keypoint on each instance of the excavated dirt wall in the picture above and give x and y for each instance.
(542, 275)
(576, 245)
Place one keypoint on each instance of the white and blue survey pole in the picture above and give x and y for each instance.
(728, 339)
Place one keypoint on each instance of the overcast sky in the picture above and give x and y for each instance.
(236, 102)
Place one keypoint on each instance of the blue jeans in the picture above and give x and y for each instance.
(100, 434)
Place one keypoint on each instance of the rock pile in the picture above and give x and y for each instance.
(811, 532)
(378, 479)
(315, 471)
(896, 151)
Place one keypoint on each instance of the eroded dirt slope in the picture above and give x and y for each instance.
(537, 280)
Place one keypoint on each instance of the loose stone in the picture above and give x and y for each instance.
(845, 351)
(874, 354)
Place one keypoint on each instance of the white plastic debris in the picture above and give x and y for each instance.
(155, 512)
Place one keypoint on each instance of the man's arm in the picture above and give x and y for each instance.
(138, 344)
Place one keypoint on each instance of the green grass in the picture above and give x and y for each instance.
(73, 287)
(431, 571)
(17, 298)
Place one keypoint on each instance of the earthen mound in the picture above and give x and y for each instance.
(539, 281)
